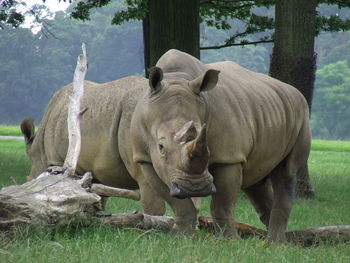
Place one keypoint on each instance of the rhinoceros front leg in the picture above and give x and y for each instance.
(227, 180)
(152, 203)
(184, 209)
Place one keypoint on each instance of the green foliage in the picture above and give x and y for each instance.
(135, 10)
(331, 112)
(256, 16)
(34, 66)
(8, 14)
(330, 176)
(332, 47)
(331, 24)
(82, 9)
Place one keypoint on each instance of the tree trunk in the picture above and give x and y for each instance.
(293, 59)
(171, 24)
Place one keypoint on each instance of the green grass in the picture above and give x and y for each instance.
(317, 145)
(334, 146)
(330, 175)
(14, 165)
(10, 130)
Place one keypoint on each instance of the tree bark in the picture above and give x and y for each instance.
(293, 59)
(171, 24)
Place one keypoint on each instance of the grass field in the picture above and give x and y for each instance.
(329, 165)
(10, 130)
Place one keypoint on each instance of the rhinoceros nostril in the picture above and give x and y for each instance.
(213, 189)
(175, 190)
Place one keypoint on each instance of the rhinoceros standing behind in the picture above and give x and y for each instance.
(106, 146)
(201, 127)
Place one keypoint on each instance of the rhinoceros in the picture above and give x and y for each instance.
(105, 147)
(213, 129)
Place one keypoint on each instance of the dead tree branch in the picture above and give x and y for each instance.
(74, 114)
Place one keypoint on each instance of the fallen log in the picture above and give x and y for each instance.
(139, 221)
(244, 230)
(50, 199)
(54, 199)
(314, 235)
(305, 237)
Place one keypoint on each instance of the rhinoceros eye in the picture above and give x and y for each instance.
(161, 148)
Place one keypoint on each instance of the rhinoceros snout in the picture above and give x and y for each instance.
(182, 192)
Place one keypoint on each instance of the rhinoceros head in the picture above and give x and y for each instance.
(173, 132)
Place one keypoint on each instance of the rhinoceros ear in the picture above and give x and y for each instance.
(205, 82)
(155, 77)
(28, 129)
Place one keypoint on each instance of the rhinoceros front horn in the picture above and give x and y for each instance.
(199, 146)
(187, 133)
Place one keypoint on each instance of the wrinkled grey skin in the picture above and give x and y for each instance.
(223, 124)
(106, 146)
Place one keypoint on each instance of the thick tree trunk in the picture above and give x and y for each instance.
(293, 59)
(171, 24)
(146, 42)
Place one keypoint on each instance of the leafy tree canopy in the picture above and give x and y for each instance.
(219, 13)
(256, 16)
(331, 112)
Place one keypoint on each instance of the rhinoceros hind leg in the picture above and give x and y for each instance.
(283, 179)
(283, 187)
(261, 196)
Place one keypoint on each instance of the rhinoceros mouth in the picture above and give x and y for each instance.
(197, 185)
(181, 192)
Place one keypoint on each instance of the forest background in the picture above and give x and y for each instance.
(36, 62)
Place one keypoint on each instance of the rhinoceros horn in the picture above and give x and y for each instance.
(187, 133)
(199, 146)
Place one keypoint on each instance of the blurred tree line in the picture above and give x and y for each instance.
(34, 66)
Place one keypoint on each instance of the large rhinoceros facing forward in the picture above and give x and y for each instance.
(201, 127)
